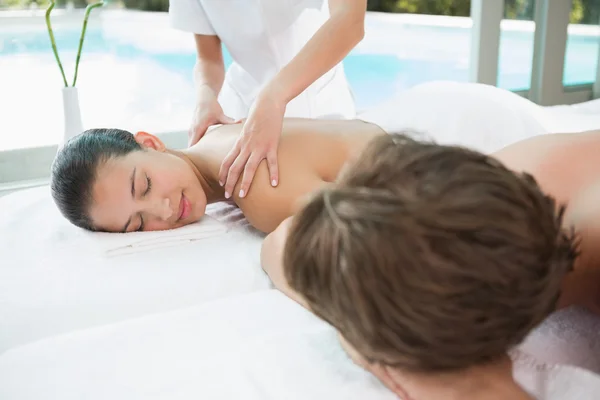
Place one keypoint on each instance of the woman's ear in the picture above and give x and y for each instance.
(149, 141)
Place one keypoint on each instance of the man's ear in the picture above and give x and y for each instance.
(149, 141)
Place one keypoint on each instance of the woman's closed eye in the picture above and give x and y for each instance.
(148, 185)
(141, 228)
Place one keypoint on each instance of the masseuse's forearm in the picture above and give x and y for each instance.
(208, 75)
(209, 71)
(328, 47)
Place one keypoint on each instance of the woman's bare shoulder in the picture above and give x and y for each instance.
(351, 126)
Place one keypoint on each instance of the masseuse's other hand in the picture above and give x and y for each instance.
(258, 140)
(208, 112)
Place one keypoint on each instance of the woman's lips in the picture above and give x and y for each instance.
(185, 208)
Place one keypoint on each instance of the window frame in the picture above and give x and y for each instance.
(550, 42)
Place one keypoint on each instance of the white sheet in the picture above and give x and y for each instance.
(256, 346)
(54, 278)
(53, 283)
(118, 244)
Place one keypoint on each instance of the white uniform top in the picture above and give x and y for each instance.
(262, 36)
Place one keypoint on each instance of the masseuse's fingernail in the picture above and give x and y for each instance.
(242, 193)
(227, 195)
(220, 183)
(273, 182)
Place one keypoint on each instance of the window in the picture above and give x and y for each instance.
(516, 45)
(581, 60)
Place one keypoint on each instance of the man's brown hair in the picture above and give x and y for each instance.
(429, 257)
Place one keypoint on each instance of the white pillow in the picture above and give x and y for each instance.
(479, 116)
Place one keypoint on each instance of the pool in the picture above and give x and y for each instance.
(143, 81)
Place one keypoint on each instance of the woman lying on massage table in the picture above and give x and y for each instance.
(111, 180)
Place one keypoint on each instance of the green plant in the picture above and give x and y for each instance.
(88, 10)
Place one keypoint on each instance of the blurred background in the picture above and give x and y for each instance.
(136, 71)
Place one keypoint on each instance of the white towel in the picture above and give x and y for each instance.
(545, 381)
(570, 336)
(116, 244)
(229, 214)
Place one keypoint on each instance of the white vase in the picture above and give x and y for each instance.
(72, 114)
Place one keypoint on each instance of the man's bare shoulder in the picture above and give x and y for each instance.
(582, 286)
(567, 167)
(564, 154)
(549, 141)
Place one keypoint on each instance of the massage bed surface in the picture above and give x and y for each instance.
(253, 346)
(55, 278)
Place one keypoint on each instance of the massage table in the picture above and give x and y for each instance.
(189, 314)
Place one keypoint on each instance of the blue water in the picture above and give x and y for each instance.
(373, 77)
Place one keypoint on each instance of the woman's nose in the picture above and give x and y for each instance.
(162, 209)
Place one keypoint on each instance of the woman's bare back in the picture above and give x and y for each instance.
(311, 153)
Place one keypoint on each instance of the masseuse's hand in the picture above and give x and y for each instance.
(258, 140)
(208, 112)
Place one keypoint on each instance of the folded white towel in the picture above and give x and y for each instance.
(228, 213)
(569, 336)
(547, 381)
(116, 244)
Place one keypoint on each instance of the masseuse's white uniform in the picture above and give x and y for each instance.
(262, 36)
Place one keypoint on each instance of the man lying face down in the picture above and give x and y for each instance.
(434, 261)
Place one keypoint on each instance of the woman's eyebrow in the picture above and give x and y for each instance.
(132, 182)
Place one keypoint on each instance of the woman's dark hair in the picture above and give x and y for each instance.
(74, 170)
